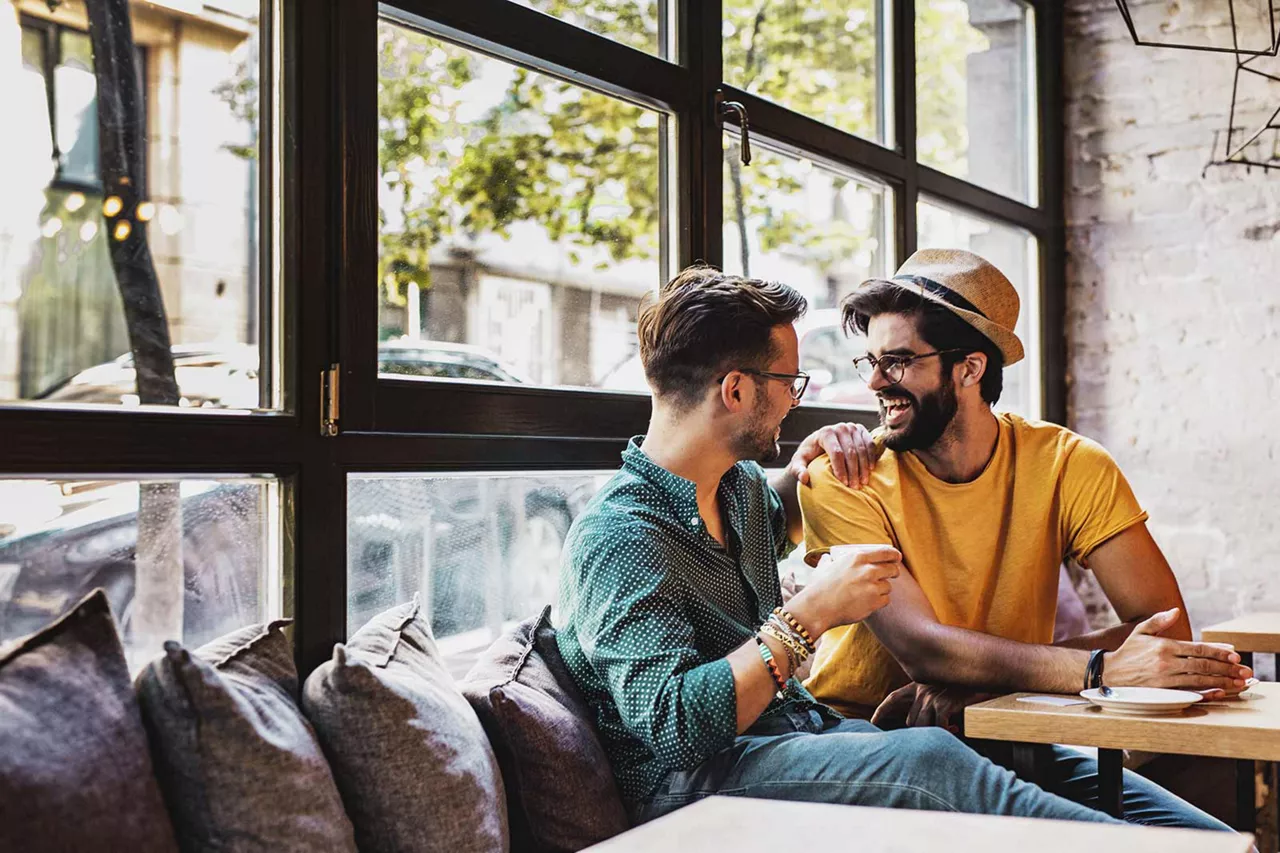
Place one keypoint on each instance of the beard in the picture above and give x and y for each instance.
(930, 417)
(758, 439)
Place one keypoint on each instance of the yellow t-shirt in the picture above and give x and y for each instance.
(986, 553)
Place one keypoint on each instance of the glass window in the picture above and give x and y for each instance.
(1016, 253)
(482, 551)
(72, 305)
(820, 229)
(975, 93)
(642, 24)
(825, 59)
(75, 104)
(183, 559)
(521, 219)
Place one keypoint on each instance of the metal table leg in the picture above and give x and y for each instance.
(1111, 781)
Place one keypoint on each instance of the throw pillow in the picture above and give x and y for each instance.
(411, 760)
(239, 764)
(75, 773)
(561, 793)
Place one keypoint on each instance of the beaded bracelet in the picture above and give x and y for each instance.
(788, 645)
(785, 628)
(766, 654)
(795, 625)
(796, 650)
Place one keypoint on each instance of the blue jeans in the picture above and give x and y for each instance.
(1074, 775)
(817, 758)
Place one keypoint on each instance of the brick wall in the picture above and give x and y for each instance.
(1173, 304)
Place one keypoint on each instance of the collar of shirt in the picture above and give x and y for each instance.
(682, 494)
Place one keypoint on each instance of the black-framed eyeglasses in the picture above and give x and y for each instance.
(799, 381)
(891, 366)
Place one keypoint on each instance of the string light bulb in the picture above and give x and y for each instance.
(112, 206)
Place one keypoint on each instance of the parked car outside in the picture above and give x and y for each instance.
(225, 376)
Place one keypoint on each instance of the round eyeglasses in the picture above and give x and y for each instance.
(799, 381)
(891, 366)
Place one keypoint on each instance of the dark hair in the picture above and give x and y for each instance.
(705, 323)
(940, 328)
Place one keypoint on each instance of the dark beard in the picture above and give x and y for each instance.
(756, 442)
(930, 417)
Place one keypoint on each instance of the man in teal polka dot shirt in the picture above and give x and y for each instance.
(670, 601)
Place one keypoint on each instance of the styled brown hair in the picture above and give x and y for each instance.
(705, 323)
(940, 328)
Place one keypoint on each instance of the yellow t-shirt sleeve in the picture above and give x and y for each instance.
(835, 514)
(1097, 501)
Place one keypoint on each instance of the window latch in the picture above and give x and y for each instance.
(735, 108)
(329, 400)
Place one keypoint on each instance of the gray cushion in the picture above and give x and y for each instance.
(561, 793)
(239, 764)
(75, 773)
(411, 760)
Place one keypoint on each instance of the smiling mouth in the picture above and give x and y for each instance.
(895, 410)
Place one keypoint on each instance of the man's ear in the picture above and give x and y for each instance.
(734, 391)
(972, 369)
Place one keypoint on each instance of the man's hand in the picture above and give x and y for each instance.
(927, 705)
(848, 589)
(1148, 660)
(851, 450)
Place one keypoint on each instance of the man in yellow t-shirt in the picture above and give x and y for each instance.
(984, 508)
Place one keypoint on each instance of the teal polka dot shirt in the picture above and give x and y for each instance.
(650, 605)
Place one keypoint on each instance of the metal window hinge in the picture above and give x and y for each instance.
(329, 400)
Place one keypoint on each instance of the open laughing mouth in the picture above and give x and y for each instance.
(895, 410)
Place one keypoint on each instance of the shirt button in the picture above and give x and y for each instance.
(695, 521)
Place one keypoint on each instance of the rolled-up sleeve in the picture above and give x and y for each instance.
(637, 638)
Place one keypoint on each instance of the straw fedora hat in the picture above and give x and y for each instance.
(970, 287)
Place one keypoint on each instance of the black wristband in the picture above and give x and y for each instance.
(1093, 672)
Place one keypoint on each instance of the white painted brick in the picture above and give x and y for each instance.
(1173, 304)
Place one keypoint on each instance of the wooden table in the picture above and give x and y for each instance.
(741, 825)
(1257, 632)
(1243, 729)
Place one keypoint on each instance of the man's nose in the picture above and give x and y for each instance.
(878, 381)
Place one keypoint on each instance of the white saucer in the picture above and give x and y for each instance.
(1143, 701)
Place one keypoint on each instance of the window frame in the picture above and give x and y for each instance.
(324, 251)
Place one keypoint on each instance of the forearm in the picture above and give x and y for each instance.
(942, 654)
(1107, 638)
(753, 684)
(785, 484)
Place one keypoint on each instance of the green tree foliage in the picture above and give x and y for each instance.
(584, 166)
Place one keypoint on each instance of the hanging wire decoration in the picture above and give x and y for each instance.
(1156, 23)
(1252, 146)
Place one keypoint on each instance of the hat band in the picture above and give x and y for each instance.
(944, 293)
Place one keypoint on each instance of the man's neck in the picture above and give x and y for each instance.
(688, 450)
(965, 448)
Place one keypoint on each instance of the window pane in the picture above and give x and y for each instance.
(819, 229)
(1015, 253)
(824, 59)
(521, 219)
(481, 550)
(76, 110)
(642, 24)
(186, 202)
(975, 93)
(179, 559)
